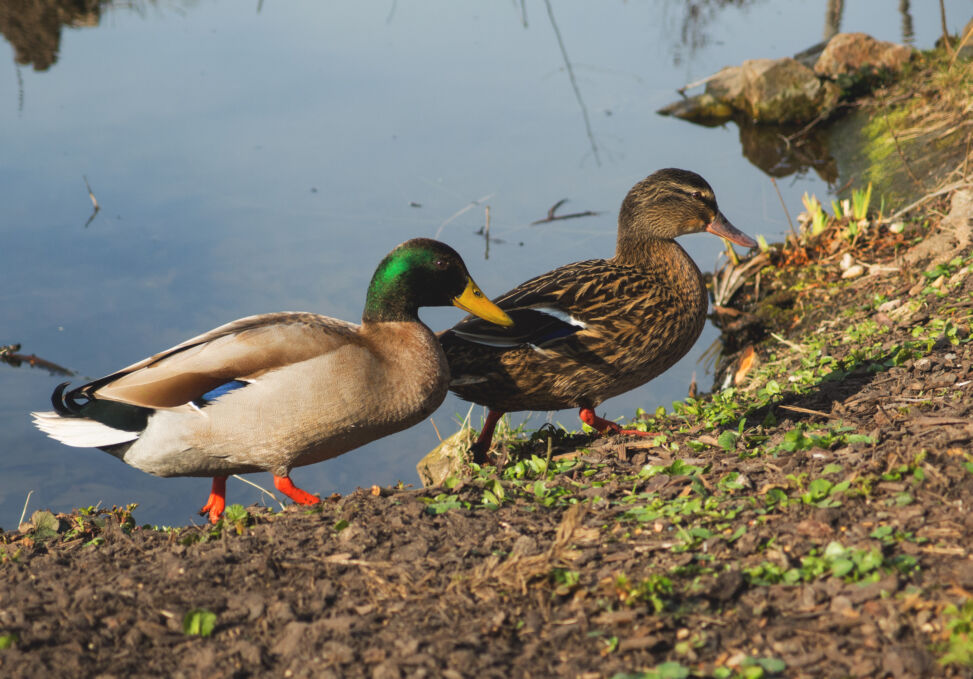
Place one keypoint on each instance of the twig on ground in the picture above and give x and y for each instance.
(787, 213)
(24, 513)
(959, 47)
(929, 196)
(808, 411)
(260, 488)
(795, 347)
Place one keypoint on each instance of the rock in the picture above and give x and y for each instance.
(853, 53)
(727, 85)
(770, 91)
(784, 91)
(703, 109)
(445, 460)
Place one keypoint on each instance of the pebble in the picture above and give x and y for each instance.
(886, 307)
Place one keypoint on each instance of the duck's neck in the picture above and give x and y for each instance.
(388, 300)
(665, 257)
(394, 313)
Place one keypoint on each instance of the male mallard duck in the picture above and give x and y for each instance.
(592, 330)
(278, 391)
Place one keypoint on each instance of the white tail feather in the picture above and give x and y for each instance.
(80, 432)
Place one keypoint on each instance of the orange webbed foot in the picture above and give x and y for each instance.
(287, 487)
(217, 500)
(604, 426)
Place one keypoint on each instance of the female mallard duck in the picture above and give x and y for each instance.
(282, 390)
(592, 330)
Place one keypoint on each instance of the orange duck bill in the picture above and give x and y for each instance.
(721, 227)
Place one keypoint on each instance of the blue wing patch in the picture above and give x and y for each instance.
(221, 390)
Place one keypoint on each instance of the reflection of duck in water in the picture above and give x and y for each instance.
(592, 330)
(282, 390)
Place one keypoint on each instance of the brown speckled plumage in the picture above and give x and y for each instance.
(594, 329)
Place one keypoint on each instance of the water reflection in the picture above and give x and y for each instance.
(698, 24)
(33, 27)
(908, 32)
(835, 8)
(832, 18)
(12, 356)
(781, 151)
(574, 82)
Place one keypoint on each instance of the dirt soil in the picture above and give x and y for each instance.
(811, 521)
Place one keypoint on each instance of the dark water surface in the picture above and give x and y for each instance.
(256, 157)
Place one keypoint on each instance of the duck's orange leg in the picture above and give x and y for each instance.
(485, 440)
(217, 499)
(604, 426)
(287, 487)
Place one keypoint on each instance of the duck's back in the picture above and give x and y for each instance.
(582, 333)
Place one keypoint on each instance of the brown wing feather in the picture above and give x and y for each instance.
(243, 350)
(638, 322)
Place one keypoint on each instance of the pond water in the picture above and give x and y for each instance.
(264, 156)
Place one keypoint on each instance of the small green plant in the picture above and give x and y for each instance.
(958, 621)
(494, 494)
(841, 209)
(860, 200)
(819, 220)
(653, 590)
(752, 668)
(199, 622)
(7, 640)
(443, 502)
(6, 556)
(889, 535)
(45, 525)
(677, 468)
(238, 517)
(850, 564)
(820, 493)
(667, 670)
(564, 580)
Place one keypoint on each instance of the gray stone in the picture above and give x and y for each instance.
(785, 91)
(853, 53)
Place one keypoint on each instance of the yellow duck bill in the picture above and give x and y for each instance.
(475, 302)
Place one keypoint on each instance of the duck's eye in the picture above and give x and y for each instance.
(441, 264)
(697, 195)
